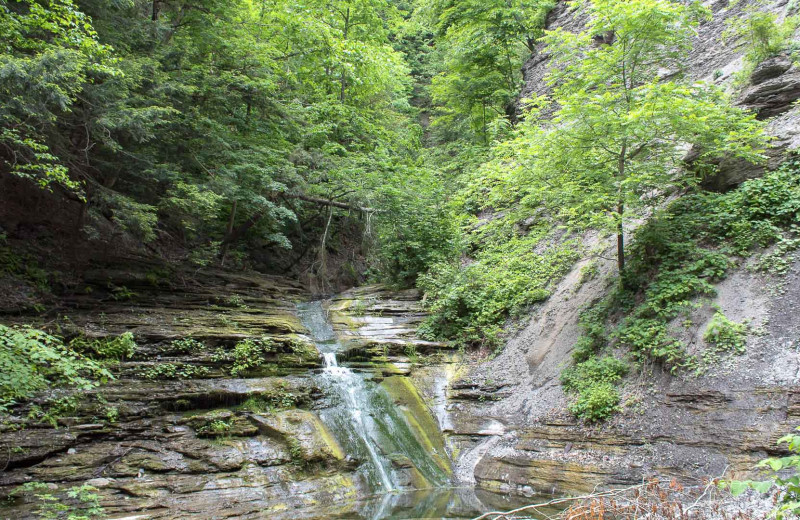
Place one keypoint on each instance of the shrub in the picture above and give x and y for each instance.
(468, 304)
(164, 371)
(119, 348)
(726, 335)
(215, 428)
(185, 345)
(279, 399)
(782, 475)
(592, 383)
(54, 409)
(235, 301)
(680, 254)
(32, 360)
(246, 355)
(764, 34)
(596, 402)
(77, 503)
(295, 450)
(649, 337)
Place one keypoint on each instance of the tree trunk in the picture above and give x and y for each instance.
(234, 235)
(485, 130)
(621, 208)
(232, 217)
(620, 239)
(344, 69)
(228, 233)
(330, 203)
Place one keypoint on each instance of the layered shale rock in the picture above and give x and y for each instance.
(506, 417)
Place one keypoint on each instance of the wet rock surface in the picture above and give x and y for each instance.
(254, 445)
(208, 438)
(509, 426)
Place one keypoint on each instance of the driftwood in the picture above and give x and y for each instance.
(331, 203)
(235, 234)
(653, 499)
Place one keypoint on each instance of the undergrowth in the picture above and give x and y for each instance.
(593, 382)
(468, 304)
(49, 502)
(165, 371)
(764, 33)
(32, 360)
(184, 346)
(246, 355)
(725, 336)
(214, 428)
(111, 348)
(676, 259)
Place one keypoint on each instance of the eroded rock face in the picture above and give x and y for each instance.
(372, 320)
(195, 429)
(774, 87)
(507, 419)
(190, 439)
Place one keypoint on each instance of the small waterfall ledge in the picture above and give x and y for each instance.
(392, 451)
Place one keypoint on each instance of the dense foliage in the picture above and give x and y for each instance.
(764, 32)
(481, 46)
(380, 139)
(676, 259)
(604, 145)
(210, 122)
(615, 141)
(32, 360)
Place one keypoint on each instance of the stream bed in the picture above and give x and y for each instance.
(405, 466)
(371, 429)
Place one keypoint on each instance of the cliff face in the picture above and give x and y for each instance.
(201, 440)
(182, 431)
(774, 85)
(506, 417)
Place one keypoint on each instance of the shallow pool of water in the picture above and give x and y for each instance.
(443, 503)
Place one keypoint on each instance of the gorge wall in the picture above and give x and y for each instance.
(506, 418)
(225, 409)
(189, 428)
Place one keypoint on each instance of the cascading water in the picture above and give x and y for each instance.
(353, 389)
(363, 417)
(372, 429)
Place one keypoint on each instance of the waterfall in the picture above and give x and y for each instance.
(354, 390)
(353, 420)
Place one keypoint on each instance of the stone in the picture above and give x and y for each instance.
(100, 482)
(303, 429)
(773, 96)
(771, 68)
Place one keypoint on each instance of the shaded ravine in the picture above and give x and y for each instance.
(366, 422)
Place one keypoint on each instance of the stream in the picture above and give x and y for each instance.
(365, 421)
(406, 474)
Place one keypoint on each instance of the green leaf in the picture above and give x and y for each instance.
(762, 486)
(738, 487)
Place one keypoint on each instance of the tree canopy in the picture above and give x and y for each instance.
(627, 113)
(287, 133)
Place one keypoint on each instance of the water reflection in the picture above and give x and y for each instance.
(441, 503)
